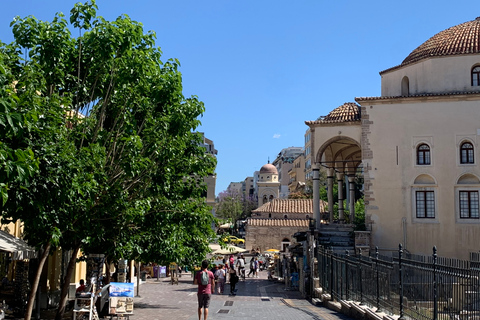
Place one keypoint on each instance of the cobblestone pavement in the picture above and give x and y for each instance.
(256, 298)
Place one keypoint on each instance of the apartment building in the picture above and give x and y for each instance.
(297, 174)
(283, 163)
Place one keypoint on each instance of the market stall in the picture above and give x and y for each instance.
(15, 255)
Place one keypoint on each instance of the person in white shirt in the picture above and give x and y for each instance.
(220, 275)
(241, 267)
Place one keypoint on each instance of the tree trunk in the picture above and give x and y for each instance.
(31, 298)
(66, 284)
(138, 279)
(107, 275)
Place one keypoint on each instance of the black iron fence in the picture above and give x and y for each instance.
(412, 286)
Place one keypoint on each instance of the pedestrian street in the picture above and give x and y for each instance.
(257, 298)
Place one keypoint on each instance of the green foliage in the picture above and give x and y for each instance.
(17, 161)
(324, 193)
(359, 221)
(127, 179)
(229, 205)
(299, 195)
(249, 204)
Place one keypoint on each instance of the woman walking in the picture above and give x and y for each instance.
(252, 267)
(233, 282)
(220, 275)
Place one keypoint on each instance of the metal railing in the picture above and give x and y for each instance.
(412, 286)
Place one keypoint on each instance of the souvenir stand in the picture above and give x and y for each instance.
(84, 307)
(121, 300)
(120, 294)
(21, 285)
(122, 270)
(15, 255)
(173, 268)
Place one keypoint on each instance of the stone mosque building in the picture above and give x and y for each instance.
(275, 221)
(268, 184)
(417, 147)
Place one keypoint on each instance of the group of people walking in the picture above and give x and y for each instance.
(214, 281)
(254, 267)
(232, 271)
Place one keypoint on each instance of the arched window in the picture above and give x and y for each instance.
(307, 217)
(476, 76)
(285, 217)
(424, 197)
(468, 197)
(265, 199)
(466, 153)
(269, 215)
(405, 87)
(271, 198)
(285, 244)
(423, 154)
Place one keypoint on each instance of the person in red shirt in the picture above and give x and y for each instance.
(81, 287)
(204, 292)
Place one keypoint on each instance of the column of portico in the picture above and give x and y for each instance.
(341, 213)
(330, 173)
(316, 195)
(351, 184)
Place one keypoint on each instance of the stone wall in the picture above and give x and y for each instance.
(264, 237)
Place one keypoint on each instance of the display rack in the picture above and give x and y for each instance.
(121, 300)
(85, 308)
(21, 286)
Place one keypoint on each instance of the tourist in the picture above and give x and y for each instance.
(220, 275)
(206, 286)
(233, 282)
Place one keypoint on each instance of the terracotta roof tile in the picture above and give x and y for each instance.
(289, 206)
(303, 223)
(460, 39)
(419, 95)
(348, 112)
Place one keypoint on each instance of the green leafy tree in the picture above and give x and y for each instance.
(126, 179)
(229, 205)
(359, 220)
(299, 195)
(17, 161)
(250, 203)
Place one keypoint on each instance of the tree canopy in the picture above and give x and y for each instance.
(233, 205)
(99, 150)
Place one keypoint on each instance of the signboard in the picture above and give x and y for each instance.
(94, 270)
(163, 271)
(122, 271)
(121, 298)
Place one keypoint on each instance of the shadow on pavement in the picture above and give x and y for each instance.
(153, 306)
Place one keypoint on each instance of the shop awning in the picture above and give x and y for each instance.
(20, 249)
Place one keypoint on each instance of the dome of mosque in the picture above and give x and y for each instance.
(460, 39)
(349, 111)
(268, 168)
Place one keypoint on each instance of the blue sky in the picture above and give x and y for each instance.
(264, 67)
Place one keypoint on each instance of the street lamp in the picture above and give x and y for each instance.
(311, 225)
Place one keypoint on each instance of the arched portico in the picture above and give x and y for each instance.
(341, 156)
(336, 147)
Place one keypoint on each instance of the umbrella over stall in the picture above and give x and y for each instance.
(230, 250)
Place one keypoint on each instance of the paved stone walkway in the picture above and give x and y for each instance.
(256, 298)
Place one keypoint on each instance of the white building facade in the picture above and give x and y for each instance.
(418, 144)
